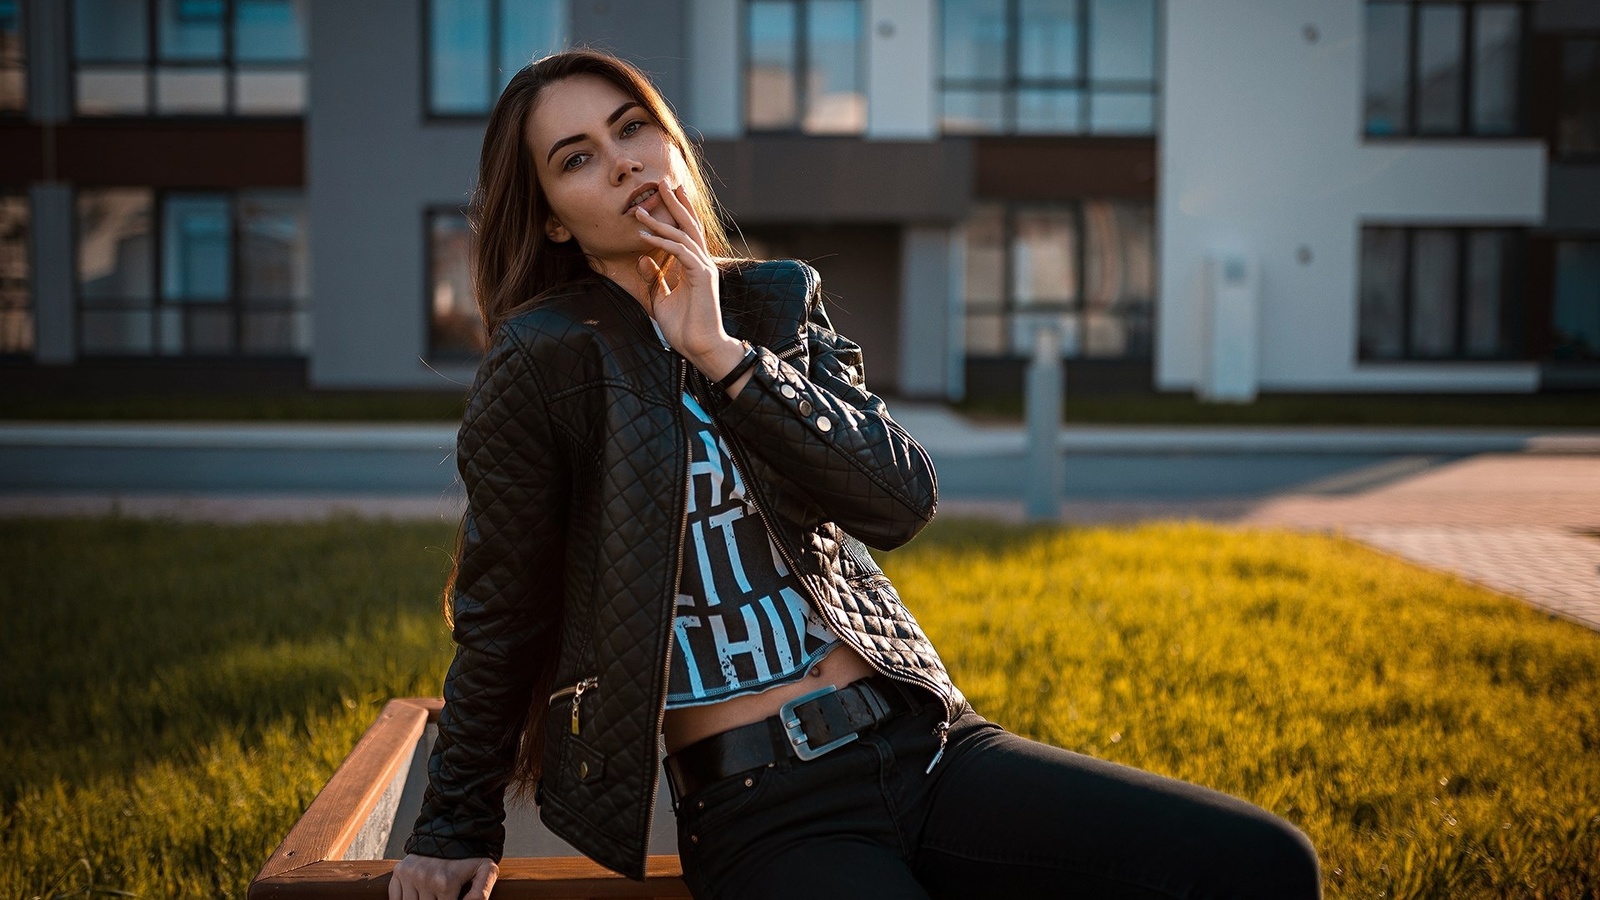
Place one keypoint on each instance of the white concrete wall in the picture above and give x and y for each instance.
(901, 38)
(1262, 150)
(930, 313)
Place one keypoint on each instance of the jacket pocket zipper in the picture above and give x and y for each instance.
(576, 690)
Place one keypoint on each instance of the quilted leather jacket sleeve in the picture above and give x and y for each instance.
(506, 603)
(836, 438)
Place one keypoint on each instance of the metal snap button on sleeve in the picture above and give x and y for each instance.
(805, 407)
(787, 390)
(823, 424)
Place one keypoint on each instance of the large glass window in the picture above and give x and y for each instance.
(1440, 293)
(1579, 128)
(192, 273)
(1444, 68)
(475, 46)
(455, 329)
(16, 282)
(1575, 316)
(189, 57)
(1088, 267)
(13, 59)
(804, 67)
(1049, 66)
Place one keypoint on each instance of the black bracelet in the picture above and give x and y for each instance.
(751, 354)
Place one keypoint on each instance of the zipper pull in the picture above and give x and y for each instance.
(943, 730)
(577, 697)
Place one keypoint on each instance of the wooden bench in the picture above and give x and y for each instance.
(346, 844)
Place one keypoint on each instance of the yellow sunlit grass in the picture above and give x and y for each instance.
(174, 695)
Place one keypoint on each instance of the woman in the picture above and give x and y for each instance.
(672, 463)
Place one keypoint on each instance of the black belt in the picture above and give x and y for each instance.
(805, 727)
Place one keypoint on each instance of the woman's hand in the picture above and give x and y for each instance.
(430, 878)
(690, 313)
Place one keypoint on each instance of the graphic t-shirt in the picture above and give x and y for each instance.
(743, 623)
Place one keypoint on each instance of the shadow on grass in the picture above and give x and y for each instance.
(130, 641)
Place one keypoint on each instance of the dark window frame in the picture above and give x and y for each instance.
(1008, 308)
(1011, 83)
(1557, 239)
(496, 18)
(1557, 155)
(153, 61)
(236, 304)
(32, 306)
(22, 42)
(1513, 280)
(1409, 132)
(801, 72)
(431, 213)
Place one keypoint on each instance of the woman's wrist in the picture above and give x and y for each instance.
(728, 366)
(719, 360)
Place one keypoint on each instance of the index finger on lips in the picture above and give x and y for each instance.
(673, 236)
(678, 201)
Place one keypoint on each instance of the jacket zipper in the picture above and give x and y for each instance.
(576, 690)
(672, 609)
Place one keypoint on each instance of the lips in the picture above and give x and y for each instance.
(641, 195)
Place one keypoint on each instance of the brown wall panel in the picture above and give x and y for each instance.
(1064, 168)
(173, 155)
(792, 178)
(21, 154)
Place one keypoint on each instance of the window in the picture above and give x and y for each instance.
(1575, 318)
(1440, 293)
(191, 273)
(455, 329)
(804, 69)
(1088, 265)
(1444, 69)
(475, 46)
(16, 285)
(189, 57)
(1579, 128)
(1049, 66)
(13, 59)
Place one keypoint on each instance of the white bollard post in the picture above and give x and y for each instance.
(1042, 402)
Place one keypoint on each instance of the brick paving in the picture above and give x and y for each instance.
(1524, 524)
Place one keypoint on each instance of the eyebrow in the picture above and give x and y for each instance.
(610, 120)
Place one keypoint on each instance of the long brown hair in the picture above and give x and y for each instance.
(514, 262)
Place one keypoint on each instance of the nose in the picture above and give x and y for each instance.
(624, 164)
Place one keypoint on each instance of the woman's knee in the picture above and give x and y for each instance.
(1285, 860)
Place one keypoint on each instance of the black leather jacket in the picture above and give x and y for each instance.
(575, 464)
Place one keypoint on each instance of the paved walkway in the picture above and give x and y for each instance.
(1522, 516)
(1526, 524)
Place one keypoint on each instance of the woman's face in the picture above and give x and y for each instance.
(596, 151)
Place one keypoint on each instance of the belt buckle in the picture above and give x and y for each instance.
(795, 732)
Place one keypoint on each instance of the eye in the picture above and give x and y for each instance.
(573, 161)
(629, 128)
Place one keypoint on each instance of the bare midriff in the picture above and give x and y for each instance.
(685, 725)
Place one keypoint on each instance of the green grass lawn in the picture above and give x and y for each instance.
(174, 695)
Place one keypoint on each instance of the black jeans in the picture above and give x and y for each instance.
(999, 816)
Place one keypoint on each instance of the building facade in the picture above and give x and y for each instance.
(1225, 196)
